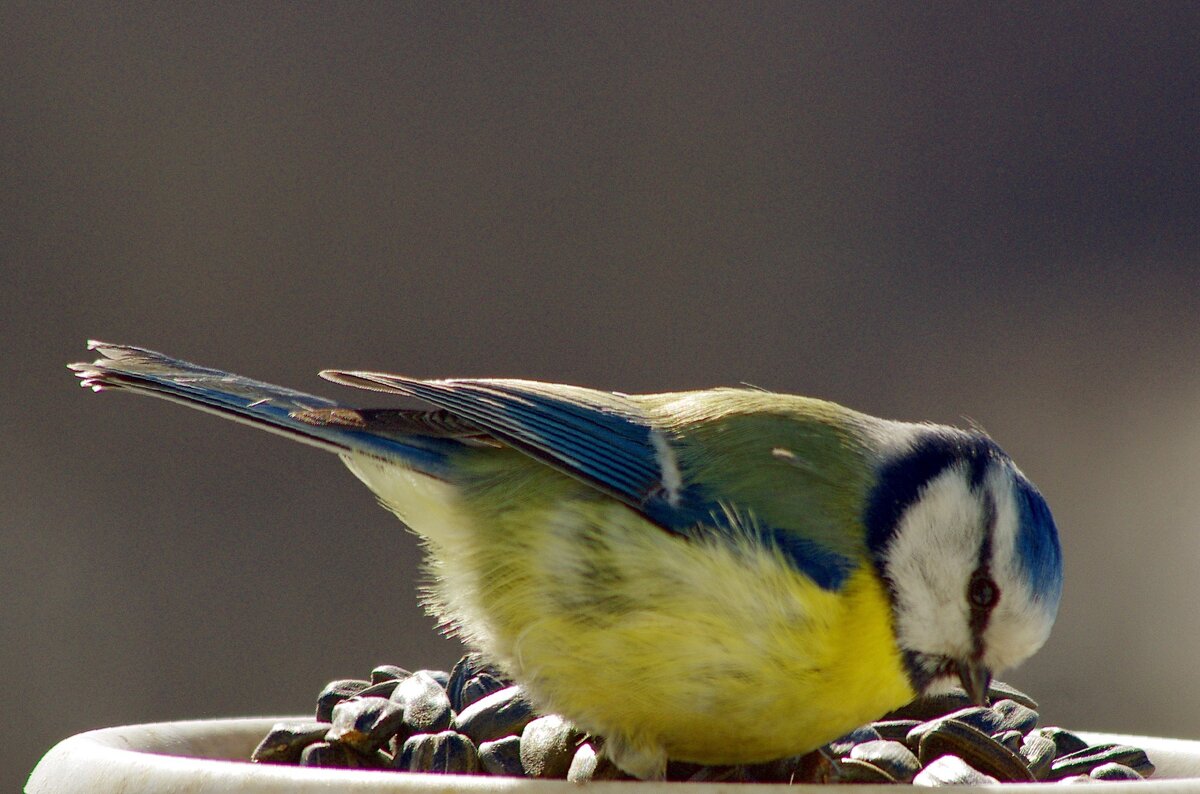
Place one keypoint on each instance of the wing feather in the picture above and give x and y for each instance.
(604, 439)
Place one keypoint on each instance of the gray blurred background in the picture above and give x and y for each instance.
(925, 211)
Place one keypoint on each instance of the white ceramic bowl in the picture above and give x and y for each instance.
(208, 756)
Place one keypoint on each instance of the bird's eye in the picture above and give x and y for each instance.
(982, 591)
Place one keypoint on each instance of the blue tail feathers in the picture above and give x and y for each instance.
(274, 408)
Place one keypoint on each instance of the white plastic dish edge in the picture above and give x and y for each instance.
(187, 758)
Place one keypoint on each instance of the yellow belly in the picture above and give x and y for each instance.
(713, 652)
(712, 655)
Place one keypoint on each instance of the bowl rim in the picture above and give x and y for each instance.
(160, 754)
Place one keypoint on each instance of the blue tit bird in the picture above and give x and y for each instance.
(723, 576)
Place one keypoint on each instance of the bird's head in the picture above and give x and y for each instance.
(970, 555)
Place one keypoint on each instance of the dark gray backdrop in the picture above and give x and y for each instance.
(925, 211)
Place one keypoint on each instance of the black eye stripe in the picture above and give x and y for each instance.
(982, 590)
(989, 529)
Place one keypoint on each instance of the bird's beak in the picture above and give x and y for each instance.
(975, 679)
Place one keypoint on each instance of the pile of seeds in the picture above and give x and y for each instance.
(473, 720)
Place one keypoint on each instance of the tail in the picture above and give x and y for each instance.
(313, 420)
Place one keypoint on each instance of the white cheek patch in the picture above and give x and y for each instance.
(929, 561)
(940, 542)
(1019, 624)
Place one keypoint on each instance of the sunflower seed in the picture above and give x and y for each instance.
(1115, 771)
(1001, 691)
(472, 679)
(1010, 739)
(335, 692)
(382, 689)
(591, 764)
(446, 752)
(854, 770)
(892, 757)
(502, 757)
(896, 730)
(388, 672)
(548, 746)
(1038, 752)
(424, 702)
(500, 714)
(341, 756)
(365, 724)
(950, 770)
(1065, 742)
(976, 748)
(287, 740)
(843, 744)
(1082, 762)
(1014, 716)
(980, 718)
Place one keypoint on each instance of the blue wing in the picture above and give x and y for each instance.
(603, 438)
(273, 408)
(606, 440)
